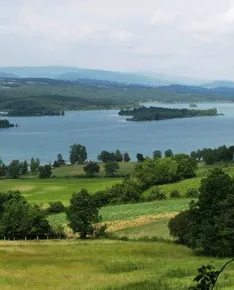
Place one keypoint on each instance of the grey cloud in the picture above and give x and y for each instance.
(175, 37)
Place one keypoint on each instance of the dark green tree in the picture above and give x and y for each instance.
(210, 157)
(106, 156)
(3, 168)
(78, 154)
(91, 169)
(60, 160)
(19, 219)
(118, 156)
(194, 155)
(34, 165)
(168, 153)
(126, 157)
(140, 157)
(157, 154)
(187, 166)
(24, 167)
(209, 223)
(111, 168)
(83, 213)
(45, 171)
(14, 169)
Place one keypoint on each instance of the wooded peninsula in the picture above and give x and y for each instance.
(5, 124)
(159, 113)
(49, 97)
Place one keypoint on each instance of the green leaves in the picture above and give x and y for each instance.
(207, 277)
(83, 213)
(78, 154)
(209, 223)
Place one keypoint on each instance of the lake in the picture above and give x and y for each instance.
(44, 137)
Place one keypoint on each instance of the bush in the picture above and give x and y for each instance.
(56, 207)
(178, 226)
(101, 198)
(192, 193)
(175, 194)
(156, 194)
(127, 192)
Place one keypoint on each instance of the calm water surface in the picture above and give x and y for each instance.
(44, 137)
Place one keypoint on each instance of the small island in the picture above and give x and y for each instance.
(160, 113)
(192, 105)
(34, 113)
(5, 124)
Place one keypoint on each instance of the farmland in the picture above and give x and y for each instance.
(105, 263)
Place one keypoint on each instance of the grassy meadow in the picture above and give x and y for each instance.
(102, 264)
(105, 264)
(44, 191)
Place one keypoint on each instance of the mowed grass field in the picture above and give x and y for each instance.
(57, 189)
(102, 265)
(70, 179)
(77, 170)
(66, 180)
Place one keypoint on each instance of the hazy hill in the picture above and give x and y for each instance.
(219, 84)
(74, 73)
(7, 75)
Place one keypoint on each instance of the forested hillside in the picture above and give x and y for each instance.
(41, 96)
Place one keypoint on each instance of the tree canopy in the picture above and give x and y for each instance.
(83, 213)
(78, 154)
(208, 224)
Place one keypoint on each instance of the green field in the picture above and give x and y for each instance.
(77, 170)
(156, 228)
(44, 191)
(135, 220)
(69, 179)
(101, 265)
(105, 264)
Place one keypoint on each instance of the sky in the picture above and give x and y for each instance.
(192, 38)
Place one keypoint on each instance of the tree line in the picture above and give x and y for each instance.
(146, 174)
(17, 168)
(78, 155)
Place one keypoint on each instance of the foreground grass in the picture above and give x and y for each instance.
(44, 191)
(102, 265)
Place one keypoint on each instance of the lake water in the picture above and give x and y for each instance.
(44, 137)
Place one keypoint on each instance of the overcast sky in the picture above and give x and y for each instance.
(179, 37)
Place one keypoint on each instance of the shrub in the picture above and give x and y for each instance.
(56, 207)
(178, 226)
(156, 194)
(101, 198)
(192, 193)
(175, 194)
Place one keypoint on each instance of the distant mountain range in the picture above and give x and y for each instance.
(74, 74)
(7, 75)
(219, 84)
(69, 73)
